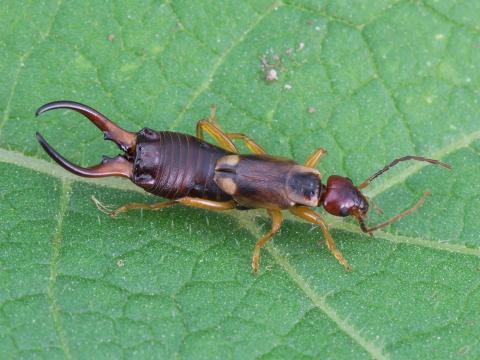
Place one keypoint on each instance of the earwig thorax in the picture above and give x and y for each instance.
(304, 185)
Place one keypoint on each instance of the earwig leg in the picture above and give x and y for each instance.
(136, 206)
(252, 145)
(187, 201)
(315, 218)
(219, 136)
(106, 209)
(313, 159)
(213, 115)
(276, 216)
(206, 204)
(211, 126)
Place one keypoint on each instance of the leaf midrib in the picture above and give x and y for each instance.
(42, 166)
(319, 301)
(54, 309)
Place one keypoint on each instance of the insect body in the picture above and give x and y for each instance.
(187, 170)
(174, 165)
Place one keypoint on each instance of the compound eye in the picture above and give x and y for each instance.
(364, 208)
(344, 211)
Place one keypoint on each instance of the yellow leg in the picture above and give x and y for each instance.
(133, 206)
(313, 159)
(315, 218)
(187, 201)
(213, 115)
(276, 216)
(206, 204)
(216, 133)
(210, 127)
(252, 145)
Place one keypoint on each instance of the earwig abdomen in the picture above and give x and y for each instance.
(174, 165)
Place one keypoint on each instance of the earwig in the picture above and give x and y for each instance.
(188, 170)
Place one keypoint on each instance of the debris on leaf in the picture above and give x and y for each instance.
(270, 68)
(271, 75)
(311, 110)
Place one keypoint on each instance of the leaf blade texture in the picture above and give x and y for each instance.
(368, 81)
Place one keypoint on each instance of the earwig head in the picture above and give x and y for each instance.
(342, 198)
(121, 165)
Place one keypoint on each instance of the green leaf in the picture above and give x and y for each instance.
(368, 80)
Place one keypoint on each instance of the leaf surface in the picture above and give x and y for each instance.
(369, 81)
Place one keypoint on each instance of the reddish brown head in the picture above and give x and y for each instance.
(342, 198)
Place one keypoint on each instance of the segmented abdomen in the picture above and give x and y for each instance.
(174, 165)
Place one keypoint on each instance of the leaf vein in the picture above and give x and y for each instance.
(205, 85)
(21, 63)
(56, 243)
(448, 19)
(318, 300)
(45, 167)
(396, 106)
(409, 240)
(463, 142)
